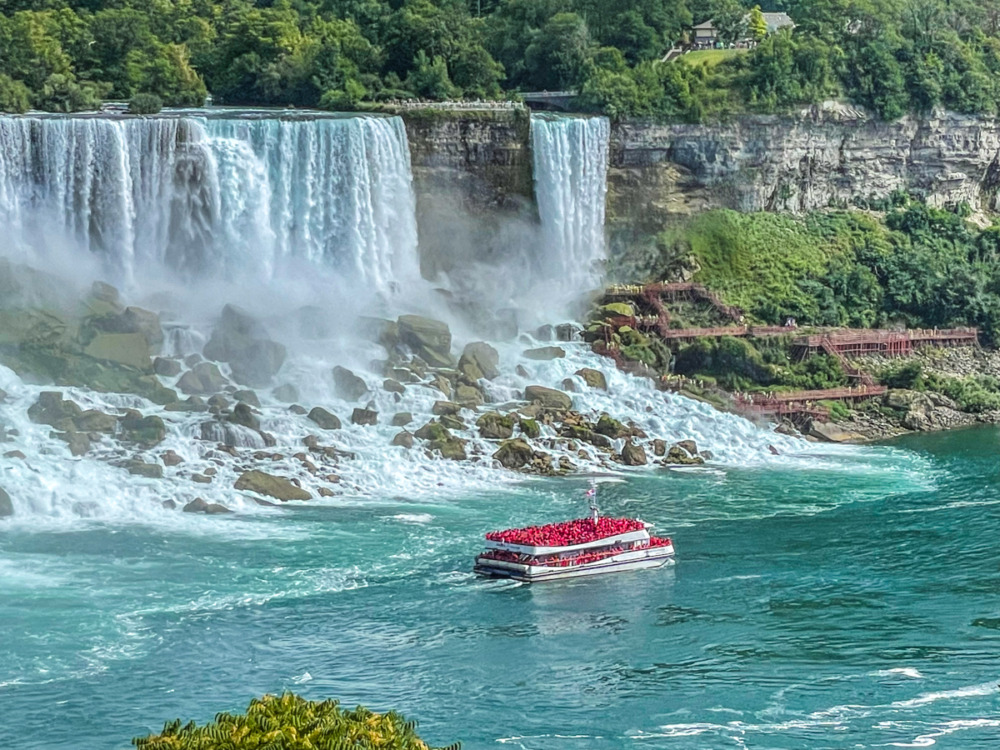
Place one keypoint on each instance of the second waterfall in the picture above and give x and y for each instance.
(570, 165)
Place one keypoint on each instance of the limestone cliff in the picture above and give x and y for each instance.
(477, 165)
(828, 155)
(473, 182)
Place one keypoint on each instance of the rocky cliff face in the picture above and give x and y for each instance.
(473, 169)
(472, 177)
(828, 155)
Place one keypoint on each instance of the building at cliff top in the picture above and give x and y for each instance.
(706, 34)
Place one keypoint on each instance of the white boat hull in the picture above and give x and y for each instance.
(653, 557)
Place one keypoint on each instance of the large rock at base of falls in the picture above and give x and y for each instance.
(55, 411)
(831, 433)
(549, 398)
(479, 360)
(242, 342)
(146, 431)
(6, 506)
(428, 338)
(633, 454)
(203, 379)
(679, 456)
(133, 320)
(129, 349)
(593, 378)
(495, 426)
(324, 419)
(270, 485)
(364, 417)
(514, 454)
(347, 385)
(544, 353)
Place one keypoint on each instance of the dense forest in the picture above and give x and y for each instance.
(890, 55)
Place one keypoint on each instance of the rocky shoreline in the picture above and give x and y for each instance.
(227, 399)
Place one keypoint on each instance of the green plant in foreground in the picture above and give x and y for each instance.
(289, 722)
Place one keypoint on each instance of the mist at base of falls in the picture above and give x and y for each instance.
(308, 222)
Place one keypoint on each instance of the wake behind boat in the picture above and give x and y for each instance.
(570, 549)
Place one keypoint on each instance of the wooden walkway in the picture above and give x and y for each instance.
(855, 342)
(803, 403)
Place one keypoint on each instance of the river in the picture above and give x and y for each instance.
(839, 599)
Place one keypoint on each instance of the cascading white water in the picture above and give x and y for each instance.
(225, 197)
(570, 165)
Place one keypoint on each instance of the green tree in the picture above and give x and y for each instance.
(559, 54)
(756, 24)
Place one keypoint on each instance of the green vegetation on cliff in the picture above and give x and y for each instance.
(289, 722)
(67, 55)
(912, 264)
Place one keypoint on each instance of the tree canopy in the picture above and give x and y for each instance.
(892, 56)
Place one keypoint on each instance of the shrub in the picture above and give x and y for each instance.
(145, 104)
(909, 375)
(289, 722)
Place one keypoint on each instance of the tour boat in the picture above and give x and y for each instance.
(584, 547)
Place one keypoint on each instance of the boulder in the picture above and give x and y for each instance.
(243, 415)
(218, 402)
(441, 383)
(529, 428)
(433, 431)
(393, 386)
(270, 485)
(142, 469)
(203, 379)
(549, 398)
(452, 422)
(445, 407)
(831, 433)
(495, 426)
(15, 454)
(617, 309)
(324, 419)
(170, 458)
(404, 439)
(6, 505)
(659, 447)
(201, 479)
(200, 506)
(689, 445)
(53, 410)
(453, 448)
(242, 342)
(593, 378)
(401, 419)
(247, 397)
(145, 431)
(133, 320)
(544, 353)
(479, 360)
(286, 393)
(569, 385)
(93, 420)
(347, 385)
(129, 349)
(679, 456)
(633, 454)
(611, 427)
(429, 339)
(469, 396)
(364, 417)
(190, 404)
(78, 442)
(169, 504)
(514, 454)
(167, 368)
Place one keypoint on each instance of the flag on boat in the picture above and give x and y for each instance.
(591, 492)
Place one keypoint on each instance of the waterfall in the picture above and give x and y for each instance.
(224, 197)
(570, 165)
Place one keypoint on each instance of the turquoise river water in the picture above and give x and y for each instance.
(845, 601)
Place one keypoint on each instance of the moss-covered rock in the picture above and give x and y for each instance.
(495, 426)
(267, 484)
(611, 427)
(427, 338)
(529, 428)
(145, 431)
(433, 431)
(514, 454)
